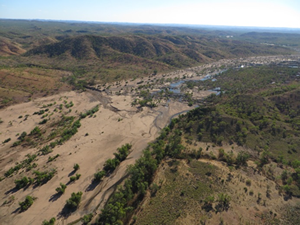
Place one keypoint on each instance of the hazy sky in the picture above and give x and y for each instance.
(267, 13)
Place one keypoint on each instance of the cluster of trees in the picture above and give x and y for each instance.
(66, 135)
(291, 180)
(44, 177)
(235, 81)
(140, 177)
(26, 163)
(147, 99)
(111, 164)
(90, 112)
(24, 182)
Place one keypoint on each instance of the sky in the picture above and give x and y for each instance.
(261, 13)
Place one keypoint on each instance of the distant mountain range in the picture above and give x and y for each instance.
(175, 51)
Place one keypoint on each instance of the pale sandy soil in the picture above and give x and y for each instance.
(116, 123)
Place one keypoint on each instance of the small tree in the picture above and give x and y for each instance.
(241, 159)
(76, 177)
(23, 182)
(76, 167)
(27, 203)
(87, 218)
(99, 175)
(61, 189)
(74, 201)
(50, 222)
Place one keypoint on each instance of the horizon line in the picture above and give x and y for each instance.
(157, 24)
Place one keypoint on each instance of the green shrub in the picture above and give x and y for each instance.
(27, 203)
(50, 159)
(44, 177)
(76, 167)
(23, 182)
(16, 143)
(123, 152)
(36, 131)
(223, 201)
(87, 218)
(50, 222)
(74, 178)
(99, 175)
(74, 201)
(22, 136)
(46, 150)
(61, 189)
(39, 112)
(43, 121)
(111, 164)
(241, 159)
(7, 140)
(53, 144)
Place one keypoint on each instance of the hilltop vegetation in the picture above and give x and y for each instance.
(258, 107)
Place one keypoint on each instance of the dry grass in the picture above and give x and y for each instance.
(255, 198)
(22, 84)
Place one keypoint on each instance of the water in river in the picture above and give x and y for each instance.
(175, 87)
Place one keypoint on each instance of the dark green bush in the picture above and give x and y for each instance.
(36, 131)
(74, 178)
(43, 121)
(44, 177)
(76, 167)
(61, 189)
(22, 136)
(50, 222)
(46, 150)
(74, 201)
(7, 140)
(23, 182)
(27, 203)
(87, 218)
(99, 175)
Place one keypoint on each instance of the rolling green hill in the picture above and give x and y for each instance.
(177, 51)
(111, 58)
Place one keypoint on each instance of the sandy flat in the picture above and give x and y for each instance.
(116, 123)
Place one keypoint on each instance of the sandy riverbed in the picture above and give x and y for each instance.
(115, 124)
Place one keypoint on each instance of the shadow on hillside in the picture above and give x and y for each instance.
(65, 212)
(71, 173)
(54, 197)
(11, 191)
(17, 210)
(93, 185)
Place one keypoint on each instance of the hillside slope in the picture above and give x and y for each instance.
(8, 48)
(177, 51)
